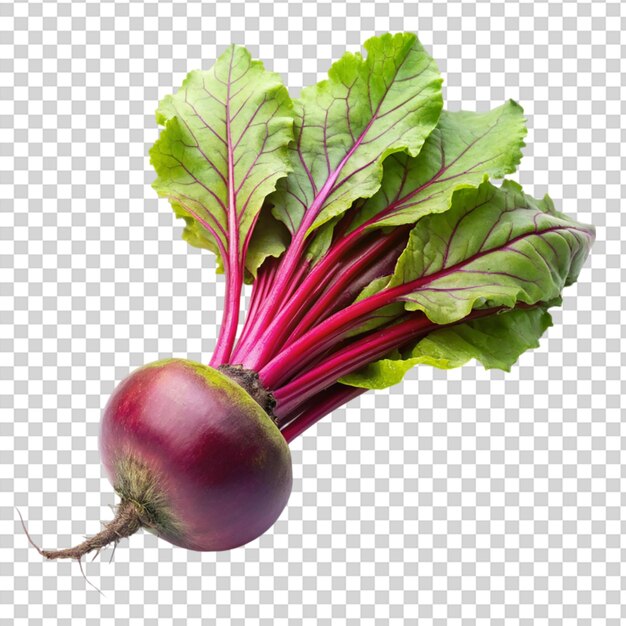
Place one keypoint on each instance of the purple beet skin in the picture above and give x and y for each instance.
(200, 461)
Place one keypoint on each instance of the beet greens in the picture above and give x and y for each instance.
(384, 199)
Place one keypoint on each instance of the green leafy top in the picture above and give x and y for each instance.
(347, 125)
(495, 342)
(465, 149)
(362, 185)
(494, 247)
(222, 151)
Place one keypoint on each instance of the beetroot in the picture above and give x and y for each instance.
(363, 216)
(193, 457)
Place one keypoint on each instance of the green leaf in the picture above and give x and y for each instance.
(496, 341)
(269, 239)
(494, 247)
(464, 149)
(321, 241)
(374, 287)
(347, 125)
(196, 235)
(223, 148)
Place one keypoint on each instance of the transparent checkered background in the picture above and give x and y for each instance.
(456, 498)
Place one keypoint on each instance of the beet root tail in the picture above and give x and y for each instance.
(126, 522)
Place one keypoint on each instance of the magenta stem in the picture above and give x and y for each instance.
(273, 325)
(347, 360)
(332, 266)
(258, 287)
(295, 281)
(324, 269)
(259, 291)
(317, 339)
(268, 333)
(283, 279)
(228, 328)
(234, 267)
(350, 281)
(318, 407)
(358, 354)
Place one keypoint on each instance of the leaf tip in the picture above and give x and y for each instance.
(515, 104)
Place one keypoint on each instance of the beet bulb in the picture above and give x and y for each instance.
(194, 458)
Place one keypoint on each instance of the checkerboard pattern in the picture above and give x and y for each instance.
(457, 498)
